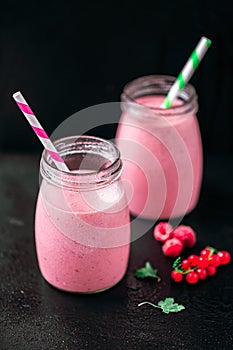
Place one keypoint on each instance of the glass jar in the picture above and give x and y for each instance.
(82, 227)
(161, 148)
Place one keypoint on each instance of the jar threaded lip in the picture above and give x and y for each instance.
(83, 179)
(159, 85)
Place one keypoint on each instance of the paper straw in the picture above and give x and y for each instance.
(188, 70)
(39, 131)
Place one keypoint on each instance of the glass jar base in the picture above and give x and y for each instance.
(83, 293)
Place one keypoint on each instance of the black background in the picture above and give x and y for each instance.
(67, 55)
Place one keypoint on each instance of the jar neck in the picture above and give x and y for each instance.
(159, 85)
(93, 162)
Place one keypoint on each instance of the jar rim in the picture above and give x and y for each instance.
(86, 179)
(140, 84)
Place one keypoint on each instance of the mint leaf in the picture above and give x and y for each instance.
(168, 306)
(147, 271)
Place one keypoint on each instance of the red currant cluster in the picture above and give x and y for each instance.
(197, 268)
(174, 239)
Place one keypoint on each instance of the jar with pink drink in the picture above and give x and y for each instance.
(82, 227)
(161, 148)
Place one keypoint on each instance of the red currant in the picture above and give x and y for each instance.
(214, 260)
(185, 264)
(193, 260)
(205, 253)
(192, 277)
(211, 270)
(224, 256)
(203, 262)
(202, 273)
(176, 276)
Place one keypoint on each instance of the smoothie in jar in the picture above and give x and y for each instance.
(82, 219)
(161, 148)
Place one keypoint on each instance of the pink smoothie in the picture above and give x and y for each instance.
(82, 241)
(162, 159)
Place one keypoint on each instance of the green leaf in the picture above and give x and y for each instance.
(168, 306)
(147, 271)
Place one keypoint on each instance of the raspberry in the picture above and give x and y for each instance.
(186, 235)
(172, 247)
(162, 231)
(192, 277)
(176, 276)
(224, 257)
(202, 273)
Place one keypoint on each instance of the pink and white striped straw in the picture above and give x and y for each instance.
(39, 131)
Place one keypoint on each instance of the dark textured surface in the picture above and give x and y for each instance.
(68, 55)
(34, 315)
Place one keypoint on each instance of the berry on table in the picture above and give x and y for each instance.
(185, 264)
(224, 256)
(195, 267)
(211, 270)
(202, 273)
(214, 260)
(203, 262)
(176, 276)
(192, 277)
(163, 231)
(205, 253)
(193, 260)
(186, 235)
(172, 247)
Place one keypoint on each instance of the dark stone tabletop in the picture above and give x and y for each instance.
(34, 315)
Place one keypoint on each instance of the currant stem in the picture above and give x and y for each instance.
(212, 251)
(187, 271)
(147, 302)
(177, 266)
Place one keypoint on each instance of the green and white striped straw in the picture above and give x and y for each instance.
(188, 70)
